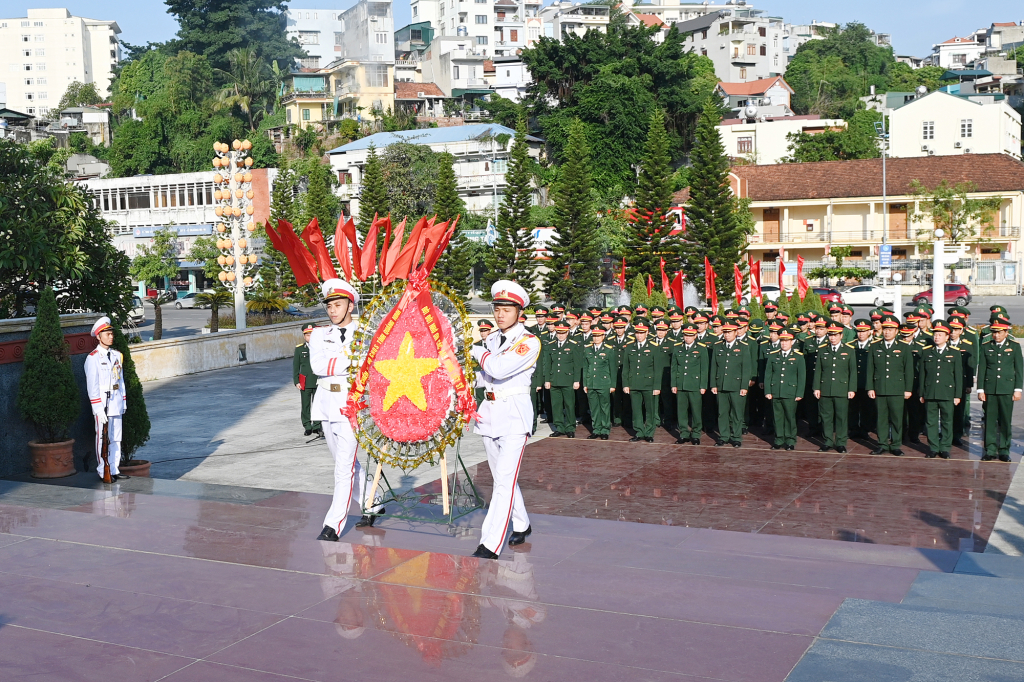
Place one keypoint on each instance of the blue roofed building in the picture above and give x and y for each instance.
(481, 159)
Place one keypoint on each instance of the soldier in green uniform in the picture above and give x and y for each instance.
(540, 317)
(969, 355)
(675, 323)
(561, 366)
(690, 368)
(940, 385)
(641, 380)
(600, 367)
(890, 382)
(621, 414)
(849, 333)
(305, 380)
(809, 347)
(835, 383)
(913, 422)
(862, 408)
(485, 327)
(784, 378)
(730, 379)
(666, 414)
(1000, 382)
(767, 345)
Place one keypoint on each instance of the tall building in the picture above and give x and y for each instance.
(48, 50)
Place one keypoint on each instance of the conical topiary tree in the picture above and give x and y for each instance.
(47, 394)
(135, 422)
(638, 292)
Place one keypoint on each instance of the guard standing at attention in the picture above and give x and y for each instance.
(784, 380)
(485, 327)
(969, 354)
(890, 383)
(507, 361)
(561, 363)
(305, 380)
(730, 378)
(600, 367)
(835, 383)
(689, 372)
(862, 408)
(940, 384)
(641, 380)
(1000, 382)
(104, 381)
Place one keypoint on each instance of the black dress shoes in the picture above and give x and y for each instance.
(555, 434)
(841, 448)
(824, 448)
(776, 447)
(931, 455)
(604, 436)
(682, 441)
(878, 451)
(593, 436)
(328, 534)
(736, 443)
(368, 519)
(944, 455)
(988, 458)
(695, 441)
(719, 443)
(484, 553)
(635, 439)
(1004, 458)
(307, 432)
(519, 538)
(649, 439)
(958, 443)
(570, 435)
(897, 452)
(791, 447)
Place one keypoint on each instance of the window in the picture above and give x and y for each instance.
(42, 95)
(37, 23)
(481, 40)
(381, 38)
(309, 37)
(416, 11)
(416, 34)
(762, 31)
(704, 51)
(704, 34)
(25, 38)
(138, 199)
(305, 114)
(30, 110)
(113, 54)
(310, 62)
(30, 96)
(40, 81)
(28, 67)
(966, 127)
(513, 35)
(40, 51)
(42, 67)
(455, 72)
(377, 75)
(743, 73)
(26, 23)
(29, 81)
(744, 145)
(481, 18)
(26, 53)
(928, 130)
(289, 116)
(337, 37)
(307, 15)
(751, 49)
(776, 60)
(764, 50)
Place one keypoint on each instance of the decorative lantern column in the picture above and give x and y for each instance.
(233, 196)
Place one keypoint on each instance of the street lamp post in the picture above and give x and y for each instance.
(233, 195)
(939, 276)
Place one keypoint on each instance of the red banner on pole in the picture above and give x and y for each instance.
(781, 269)
(710, 290)
(650, 284)
(665, 287)
(801, 282)
(755, 281)
(737, 277)
(677, 289)
(622, 275)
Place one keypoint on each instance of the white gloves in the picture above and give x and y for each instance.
(477, 352)
(102, 417)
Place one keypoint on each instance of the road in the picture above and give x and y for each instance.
(180, 323)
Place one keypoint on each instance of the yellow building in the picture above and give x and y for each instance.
(360, 87)
(307, 99)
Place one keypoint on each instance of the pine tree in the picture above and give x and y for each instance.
(275, 273)
(47, 393)
(320, 202)
(512, 256)
(575, 253)
(648, 239)
(712, 228)
(454, 266)
(638, 292)
(373, 193)
(135, 422)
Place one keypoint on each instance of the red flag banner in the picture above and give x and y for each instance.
(782, 271)
(737, 277)
(801, 282)
(709, 286)
(299, 258)
(665, 287)
(650, 284)
(368, 255)
(341, 248)
(677, 289)
(622, 275)
(755, 281)
(314, 239)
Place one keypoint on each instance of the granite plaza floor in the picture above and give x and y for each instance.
(747, 564)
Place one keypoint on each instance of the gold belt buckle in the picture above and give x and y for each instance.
(335, 388)
(489, 395)
(117, 386)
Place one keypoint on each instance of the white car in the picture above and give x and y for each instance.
(868, 294)
(770, 291)
(186, 301)
(138, 312)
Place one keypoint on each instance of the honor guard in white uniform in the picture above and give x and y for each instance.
(104, 379)
(329, 359)
(507, 360)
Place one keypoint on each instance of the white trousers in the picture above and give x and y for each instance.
(113, 444)
(341, 441)
(504, 455)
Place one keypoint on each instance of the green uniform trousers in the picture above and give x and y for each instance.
(621, 407)
(938, 424)
(890, 421)
(998, 413)
(600, 401)
(563, 406)
(961, 416)
(689, 406)
(307, 406)
(730, 415)
(835, 416)
(645, 411)
(862, 415)
(784, 415)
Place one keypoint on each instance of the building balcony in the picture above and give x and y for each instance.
(415, 63)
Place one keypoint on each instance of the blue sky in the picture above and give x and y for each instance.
(914, 26)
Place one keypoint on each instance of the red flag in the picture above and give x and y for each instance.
(677, 288)
(382, 265)
(299, 258)
(402, 265)
(349, 229)
(650, 284)
(275, 238)
(710, 290)
(368, 256)
(431, 260)
(622, 275)
(314, 238)
(665, 287)
(782, 271)
(737, 277)
(801, 282)
(393, 251)
(755, 280)
(566, 271)
(341, 248)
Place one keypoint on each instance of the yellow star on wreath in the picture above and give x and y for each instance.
(405, 374)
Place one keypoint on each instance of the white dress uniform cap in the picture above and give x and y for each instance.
(507, 291)
(338, 288)
(101, 324)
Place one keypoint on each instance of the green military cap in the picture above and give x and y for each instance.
(657, 311)
(996, 309)
(690, 310)
(941, 326)
(641, 324)
(562, 326)
(558, 308)
(689, 329)
(756, 324)
(620, 323)
(540, 310)
(959, 310)
(625, 310)
(599, 331)
(586, 317)
(640, 309)
(717, 320)
(743, 310)
(485, 324)
(676, 314)
(660, 324)
(731, 314)
(862, 325)
(594, 310)
(572, 315)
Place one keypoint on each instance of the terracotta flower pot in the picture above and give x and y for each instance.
(135, 467)
(52, 460)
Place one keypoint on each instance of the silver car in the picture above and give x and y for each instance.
(138, 312)
(186, 301)
(868, 294)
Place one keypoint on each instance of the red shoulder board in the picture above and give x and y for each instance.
(522, 349)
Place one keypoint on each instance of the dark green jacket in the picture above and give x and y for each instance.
(892, 369)
(690, 367)
(642, 367)
(561, 366)
(835, 373)
(730, 367)
(942, 374)
(600, 366)
(1000, 370)
(863, 363)
(300, 365)
(969, 352)
(785, 377)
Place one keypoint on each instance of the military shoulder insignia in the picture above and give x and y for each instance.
(798, 352)
(522, 348)
(927, 347)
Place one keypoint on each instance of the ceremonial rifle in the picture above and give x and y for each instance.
(105, 453)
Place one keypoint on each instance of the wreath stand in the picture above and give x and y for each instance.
(457, 498)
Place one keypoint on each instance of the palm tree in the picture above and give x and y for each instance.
(250, 84)
(216, 299)
(265, 302)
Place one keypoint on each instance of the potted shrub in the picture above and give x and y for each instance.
(48, 396)
(135, 422)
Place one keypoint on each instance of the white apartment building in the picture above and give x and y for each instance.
(940, 124)
(468, 19)
(456, 65)
(764, 140)
(480, 160)
(744, 44)
(511, 78)
(956, 53)
(318, 32)
(49, 49)
(562, 18)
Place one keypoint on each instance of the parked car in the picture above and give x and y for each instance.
(293, 311)
(956, 294)
(829, 294)
(138, 312)
(770, 291)
(187, 301)
(868, 294)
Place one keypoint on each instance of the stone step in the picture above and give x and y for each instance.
(972, 594)
(991, 565)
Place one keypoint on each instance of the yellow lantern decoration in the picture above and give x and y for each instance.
(237, 211)
(250, 194)
(217, 179)
(231, 276)
(248, 162)
(248, 177)
(236, 145)
(247, 281)
(230, 260)
(216, 146)
(252, 259)
(250, 209)
(251, 227)
(219, 210)
(216, 162)
(239, 194)
(221, 260)
(241, 243)
(221, 228)
(222, 276)
(216, 195)
(246, 145)
(238, 177)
